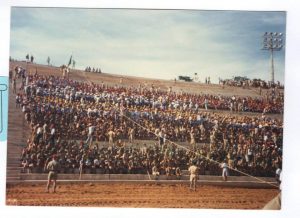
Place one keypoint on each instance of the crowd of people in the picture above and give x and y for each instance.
(94, 127)
(94, 70)
(246, 83)
(142, 159)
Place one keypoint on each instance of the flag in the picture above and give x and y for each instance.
(70, 61)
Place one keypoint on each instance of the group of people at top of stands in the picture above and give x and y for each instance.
(245, 82)
(70, 118)
(94, 70)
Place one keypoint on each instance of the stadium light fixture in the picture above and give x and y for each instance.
(272, 41)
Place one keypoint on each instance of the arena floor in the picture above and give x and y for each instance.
(139, 195)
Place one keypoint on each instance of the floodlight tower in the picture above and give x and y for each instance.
(273, 42)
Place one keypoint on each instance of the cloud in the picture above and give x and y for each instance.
(150, 43)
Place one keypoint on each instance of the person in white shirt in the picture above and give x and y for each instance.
(52, 135)
(39, 134)
(91, 129)
(111, 134)
(278, 175)
(206, 103)
(225, 171)
(193, 169)
(275, 203)
(155, 172)
(45, 131)
(161, 139)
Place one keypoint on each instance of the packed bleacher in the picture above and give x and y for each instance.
(96, 127)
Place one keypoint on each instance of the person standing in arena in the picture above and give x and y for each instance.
(52, 167)
(275, 203)
(193, 169)
(278, 174)
(225, 171)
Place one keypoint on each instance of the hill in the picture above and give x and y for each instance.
(114, 79)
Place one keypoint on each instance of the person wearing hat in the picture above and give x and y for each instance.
(53, 167)
(193, 169)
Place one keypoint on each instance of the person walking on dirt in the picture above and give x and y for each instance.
(193, 169)
(53, 167)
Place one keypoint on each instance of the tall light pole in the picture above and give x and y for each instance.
(272, 41)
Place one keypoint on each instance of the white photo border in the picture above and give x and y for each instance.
(291, 153)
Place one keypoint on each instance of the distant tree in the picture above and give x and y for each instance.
(27, 57)
(48, 60)
(31, 59)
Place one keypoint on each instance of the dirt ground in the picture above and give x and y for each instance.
(139, 195)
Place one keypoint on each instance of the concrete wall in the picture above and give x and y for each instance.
(233, 181)
(136, 177)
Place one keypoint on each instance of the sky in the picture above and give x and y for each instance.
(150, 43)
